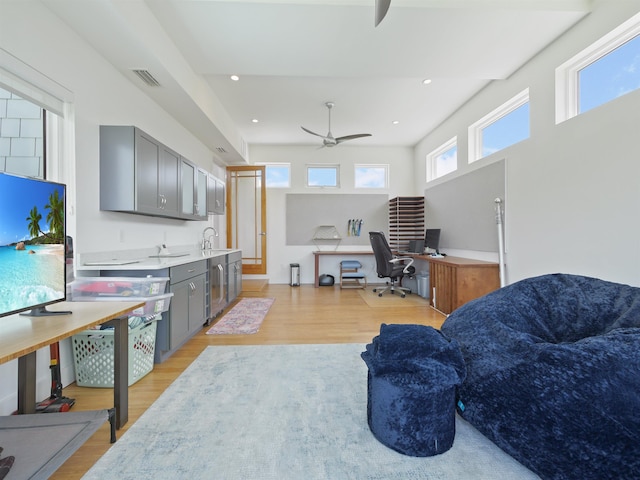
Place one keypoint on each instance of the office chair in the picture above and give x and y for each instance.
(389, 266)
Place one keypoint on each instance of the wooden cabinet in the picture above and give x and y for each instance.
(137, 173)
(187, 312)
(454, 281)
(406, 222)
(215, 196)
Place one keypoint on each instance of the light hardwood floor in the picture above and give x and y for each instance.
(299, 315)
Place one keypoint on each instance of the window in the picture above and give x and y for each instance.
(278, 175)
(605, 70)
(322, 175)
(505, 126)
(372, 176)
(21, 136)
(443, 160)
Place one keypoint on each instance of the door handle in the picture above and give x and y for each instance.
(262, 233)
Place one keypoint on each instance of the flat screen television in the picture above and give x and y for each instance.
(432, 238)
(32, 245)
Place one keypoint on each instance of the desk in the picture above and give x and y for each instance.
(22, 336)
(318, 253)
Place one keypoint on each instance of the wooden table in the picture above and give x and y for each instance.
(318, 253)
(21, 336)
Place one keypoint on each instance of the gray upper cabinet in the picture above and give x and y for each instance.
(137, 173)
(193, 181)
(201, 193)
(187, 182)
(215, 196)
(140, 175)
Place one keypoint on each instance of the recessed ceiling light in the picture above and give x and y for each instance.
(396, 122)
(255, 120)
(235, 78)
(426, 81)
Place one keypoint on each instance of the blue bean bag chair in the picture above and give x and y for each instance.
(553, 374)
(411, 383)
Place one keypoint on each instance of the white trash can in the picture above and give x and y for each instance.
(295, 274)
(423, 285)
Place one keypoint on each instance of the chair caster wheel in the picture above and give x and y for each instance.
(402, 296)
(380, 294)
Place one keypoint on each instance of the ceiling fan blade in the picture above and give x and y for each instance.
(352, 137)
(382, 6)
(313, 133)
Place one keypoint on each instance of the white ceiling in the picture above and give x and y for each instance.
(292, 56)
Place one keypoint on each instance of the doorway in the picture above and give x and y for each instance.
(247, 217)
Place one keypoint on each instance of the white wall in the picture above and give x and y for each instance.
(280, 255)
(573, 189)
(101, 95)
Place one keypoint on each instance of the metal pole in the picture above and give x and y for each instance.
(499, 214)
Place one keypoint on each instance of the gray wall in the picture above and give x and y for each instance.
(464, 209)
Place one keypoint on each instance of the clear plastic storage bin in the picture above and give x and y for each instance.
(153, 305)
(89, 287)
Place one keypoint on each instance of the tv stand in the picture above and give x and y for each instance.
(43, 312)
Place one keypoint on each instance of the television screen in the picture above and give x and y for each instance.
(432, 238)
(32, 244)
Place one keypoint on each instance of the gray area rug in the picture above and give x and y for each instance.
(282, 412)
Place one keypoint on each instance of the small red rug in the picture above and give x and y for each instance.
(244, 318)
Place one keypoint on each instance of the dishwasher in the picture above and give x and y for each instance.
(218, 294)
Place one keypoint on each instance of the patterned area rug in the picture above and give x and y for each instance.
(244, 318)
(282, 412)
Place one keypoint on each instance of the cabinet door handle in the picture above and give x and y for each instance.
(221, 281)
(191, 270)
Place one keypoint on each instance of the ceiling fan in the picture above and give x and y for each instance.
(382, 6)
(329, 140)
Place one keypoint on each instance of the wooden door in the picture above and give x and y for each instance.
(247, 216)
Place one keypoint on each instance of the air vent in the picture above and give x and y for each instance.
(147, 78)
(221, 150)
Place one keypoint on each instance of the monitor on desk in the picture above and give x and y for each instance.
(432, 239)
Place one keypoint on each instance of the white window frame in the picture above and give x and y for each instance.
(385, 167)
(278, 164)
(336, 167)
(567, 88)
(432, 159)
(475, 130)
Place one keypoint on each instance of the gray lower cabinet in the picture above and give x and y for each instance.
(234, 276)
(187, 313)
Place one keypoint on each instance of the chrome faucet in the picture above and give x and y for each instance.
(206, 241)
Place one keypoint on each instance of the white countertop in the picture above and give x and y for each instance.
(129, 261)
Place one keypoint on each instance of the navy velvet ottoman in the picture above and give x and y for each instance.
(553, 374)
(413, 373)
